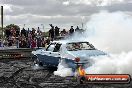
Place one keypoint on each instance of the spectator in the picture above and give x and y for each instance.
(77, 29)
(33, 33)
(17, 42)
(24, 43)
(39, 40)
(63, 32)
(43, 42)
(28, 30)
(33, 43)
(29, 34)
(71, 31)
(51, 32)
(8, 33)
(5, 43)
(10, 43)
(23, 32)
(38, 31)
(12, 31)
(57, 31)
(17, 33)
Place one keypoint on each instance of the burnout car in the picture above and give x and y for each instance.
(71, 52)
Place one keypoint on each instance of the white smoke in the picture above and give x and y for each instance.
(63, 70)
(114, 64)
(110, 32)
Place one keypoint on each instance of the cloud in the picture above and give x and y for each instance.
(36, 20)
(59, 12)
(65, 7)
(95, 2)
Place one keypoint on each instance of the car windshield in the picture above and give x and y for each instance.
(79, 46)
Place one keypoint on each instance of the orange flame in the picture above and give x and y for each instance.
(81, 71)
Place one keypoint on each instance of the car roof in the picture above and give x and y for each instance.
(67, 41)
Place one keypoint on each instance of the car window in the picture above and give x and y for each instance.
(54, 47)
(51, 47)
(57, 47)
(79, 46)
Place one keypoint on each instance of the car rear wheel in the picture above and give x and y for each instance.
(81, 80)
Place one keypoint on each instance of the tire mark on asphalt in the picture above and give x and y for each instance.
(12, 80)
(49, 74)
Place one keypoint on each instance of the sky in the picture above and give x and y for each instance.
(61, 13)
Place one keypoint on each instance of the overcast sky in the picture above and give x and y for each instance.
(63, 13)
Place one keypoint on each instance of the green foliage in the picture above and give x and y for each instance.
(45, 34)
(16, 27)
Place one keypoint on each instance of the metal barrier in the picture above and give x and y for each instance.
(15, 53)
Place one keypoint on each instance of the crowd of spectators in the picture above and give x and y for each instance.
(24, 38)
(55, 32)
(34, 37)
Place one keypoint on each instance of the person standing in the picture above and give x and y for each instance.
(33, 33)
(63, 32)
(8, 33)
(51, 32)
(39, 38)
(77, 29)
(71, 31)
(23, 32)
(33, 43)
(57, 31)
(17, 32)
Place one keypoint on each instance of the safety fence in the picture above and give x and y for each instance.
(15, 53)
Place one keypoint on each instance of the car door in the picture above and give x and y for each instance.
(53, 54)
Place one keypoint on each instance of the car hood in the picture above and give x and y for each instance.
(86, 53)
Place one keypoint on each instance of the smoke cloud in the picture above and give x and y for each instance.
(110, 32)
(63, 70)
(113, 64)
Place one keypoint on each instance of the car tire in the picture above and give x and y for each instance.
(81, 80)
(36, 61)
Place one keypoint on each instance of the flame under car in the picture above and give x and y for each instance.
(69, 52)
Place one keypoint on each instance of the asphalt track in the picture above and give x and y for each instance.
(22, 73)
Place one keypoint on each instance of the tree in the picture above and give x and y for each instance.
(16, 27)
(45, 34)
(13, 29)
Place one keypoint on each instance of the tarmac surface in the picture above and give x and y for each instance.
(23, 73)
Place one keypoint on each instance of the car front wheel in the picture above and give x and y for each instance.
(36, 61)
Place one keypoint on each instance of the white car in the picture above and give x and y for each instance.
(69, 51)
